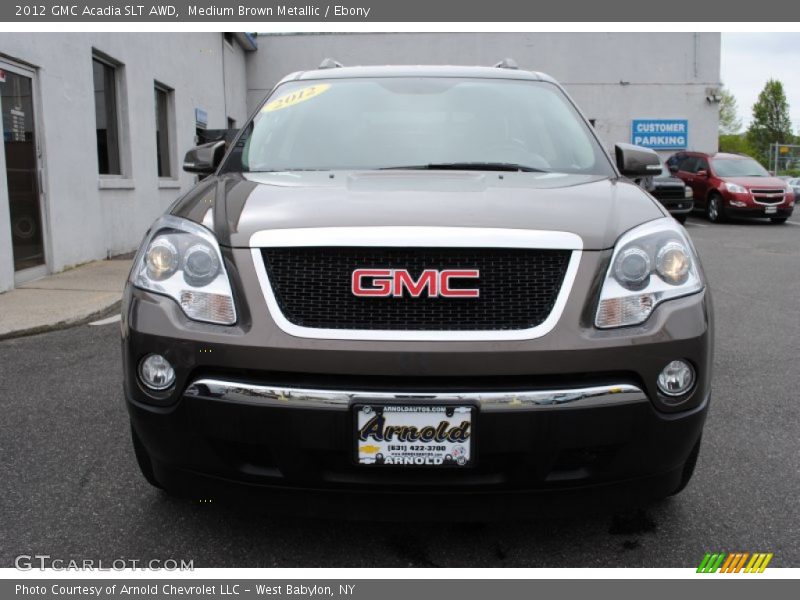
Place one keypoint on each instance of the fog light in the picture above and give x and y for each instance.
(156, 372)
(676, 379)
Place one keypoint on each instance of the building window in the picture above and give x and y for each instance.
(163, 101)
(107, 117)
(228, 37)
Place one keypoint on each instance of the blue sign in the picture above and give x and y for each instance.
(660, 134)
(200, 117)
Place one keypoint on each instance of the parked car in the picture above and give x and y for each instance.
(418, 282)
(733, 184)
(794, 183)
(672, 192)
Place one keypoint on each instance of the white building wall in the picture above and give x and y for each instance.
(235, 83)
(89, 217)
(614, 77)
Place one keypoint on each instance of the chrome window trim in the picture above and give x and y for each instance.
(444, 237)
(342, 400)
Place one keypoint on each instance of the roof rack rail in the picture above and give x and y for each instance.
(329, 63)
(507, 63)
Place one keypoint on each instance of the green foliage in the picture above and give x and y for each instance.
(729, 120)
(771, 122)
(735, 144)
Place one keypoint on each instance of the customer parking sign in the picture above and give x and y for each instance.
(660, 134)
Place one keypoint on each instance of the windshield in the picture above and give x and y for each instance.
(738, 167)
(385, 123)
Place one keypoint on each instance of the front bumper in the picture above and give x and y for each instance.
(676, 206)
(611, 445)
(746, 205)
(228, 425)
(759, 211)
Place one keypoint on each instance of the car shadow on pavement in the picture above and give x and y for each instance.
(256, 537)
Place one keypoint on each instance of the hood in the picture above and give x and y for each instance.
(596, 208)
(757, 182)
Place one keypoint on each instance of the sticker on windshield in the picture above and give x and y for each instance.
(297, 97)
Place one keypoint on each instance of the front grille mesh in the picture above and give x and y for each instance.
(669, 193)
(518, 288)
(768, 196)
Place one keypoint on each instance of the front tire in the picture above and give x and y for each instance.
(681, 218)
(778, 220)
(715, 211)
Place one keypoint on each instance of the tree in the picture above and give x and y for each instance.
(729, 121)
(771, 123)
(735, 143)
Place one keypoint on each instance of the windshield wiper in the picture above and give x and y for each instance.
(471, 166)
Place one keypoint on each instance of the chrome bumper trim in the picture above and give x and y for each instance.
(266, 395)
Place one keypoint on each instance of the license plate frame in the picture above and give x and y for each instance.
(770, 210)
(413, 454)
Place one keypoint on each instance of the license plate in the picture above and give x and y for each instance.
(414, 435)
(771, 210)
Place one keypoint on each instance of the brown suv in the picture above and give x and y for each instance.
(426, 286)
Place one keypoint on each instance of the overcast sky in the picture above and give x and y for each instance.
(750, 59)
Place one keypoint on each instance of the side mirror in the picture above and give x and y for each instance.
(702, 174)
(636, 161)
(204, 159)
(673, 169)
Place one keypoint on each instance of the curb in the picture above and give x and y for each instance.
(65, 324)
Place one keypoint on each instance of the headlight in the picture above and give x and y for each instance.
(688, 192)
(182, 260)
(161, 259)
(632, 267)
(673, 263)
(651, 263)
(200, 265)
(735, 189)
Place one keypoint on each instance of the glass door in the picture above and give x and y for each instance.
(19, 141)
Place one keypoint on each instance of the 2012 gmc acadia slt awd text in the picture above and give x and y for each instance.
(418, 282)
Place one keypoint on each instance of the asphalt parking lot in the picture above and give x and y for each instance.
(71, 488)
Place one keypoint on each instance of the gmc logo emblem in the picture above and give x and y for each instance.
(432, 283)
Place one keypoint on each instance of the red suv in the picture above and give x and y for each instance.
(733, 184)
